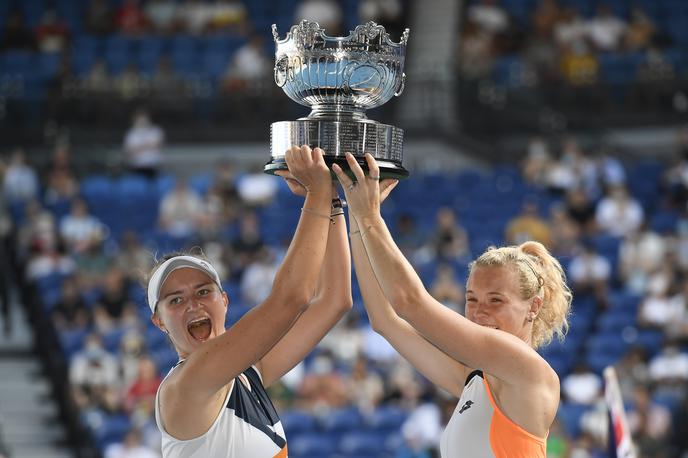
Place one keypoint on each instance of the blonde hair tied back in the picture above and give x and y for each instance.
(540, 274)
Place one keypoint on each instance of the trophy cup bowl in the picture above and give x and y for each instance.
(339, 78)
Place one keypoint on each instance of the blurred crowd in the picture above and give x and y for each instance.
(117, 358)
(168, 48)
(555, 42)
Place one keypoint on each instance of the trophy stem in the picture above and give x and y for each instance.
(337, 112)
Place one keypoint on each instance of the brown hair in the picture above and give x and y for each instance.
(540, 274)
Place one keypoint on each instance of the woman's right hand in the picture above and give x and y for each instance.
(308, 168)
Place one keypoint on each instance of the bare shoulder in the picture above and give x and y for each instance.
(183, 415)
(531, 403)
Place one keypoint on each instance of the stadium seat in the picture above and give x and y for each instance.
(342, 420)
(296, 422)
(311, 445)
(362, 443)
(569, 414)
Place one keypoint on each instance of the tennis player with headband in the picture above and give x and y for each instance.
(516, 301)
(213, 403)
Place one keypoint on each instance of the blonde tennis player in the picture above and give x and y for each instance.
(516, 301)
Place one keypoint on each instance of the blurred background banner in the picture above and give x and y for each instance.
(130, 128)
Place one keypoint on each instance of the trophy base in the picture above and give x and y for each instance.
(336, 138)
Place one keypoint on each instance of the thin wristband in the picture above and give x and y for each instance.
(312, 212)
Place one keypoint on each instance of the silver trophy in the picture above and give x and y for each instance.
(340, 78)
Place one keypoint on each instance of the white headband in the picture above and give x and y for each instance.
(169, 266)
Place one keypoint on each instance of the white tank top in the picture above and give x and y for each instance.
(479, 429)
(247, 426)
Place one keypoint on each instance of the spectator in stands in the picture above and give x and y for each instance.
(130, 18)
(258, 276)
(323, 388)
(345, 340)
(565, 233)
(46, 259)
(619, 214)
(678, 439)
(61, 183)
(132, 258)
(386, 12)
(532, 305)
(475, 54)
(581, 209)
(450, 241)
(582, 385)
(639, 32)
(489, 16)
(99, 19)
(131, 447)
(570, 30)
(194, 15)
(181, 210)
(640, 254)
(248, 242)
(421, 431)
(327, 13)
(605, 30)
(678, 329)
(364, 387)
(545, 17)
(92, 263)
(98, 81)
(115, 295)
(669, 368)
(16, 35)
(578, 65)
(676, 178)
(128, 84)
(632, 371)
(92, 371)
(528, 225)
(408, 236)
(79, 229)
(166, 83)
(161, 15)
(256, 188)
(143, 389)
(20, 181)
(249, 66)
(228, 16)
(187, 302)
(52, 34)
(446, 290)
(71, 313)
(537, 162)
(649, 423)
(132, 348)
(589, 273)
(143, 145)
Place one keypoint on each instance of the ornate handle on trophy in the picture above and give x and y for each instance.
(402, 85)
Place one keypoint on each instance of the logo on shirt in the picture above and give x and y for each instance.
(466, 406)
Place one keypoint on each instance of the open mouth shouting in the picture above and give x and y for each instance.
(200, 328)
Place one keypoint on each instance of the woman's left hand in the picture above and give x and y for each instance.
(366, 193)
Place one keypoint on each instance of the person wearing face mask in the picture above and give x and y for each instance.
(213, 402)
(516, 301)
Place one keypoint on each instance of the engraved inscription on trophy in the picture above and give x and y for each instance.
(339, 78)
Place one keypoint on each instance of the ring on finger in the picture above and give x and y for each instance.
(374, 177)
(352, 186)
